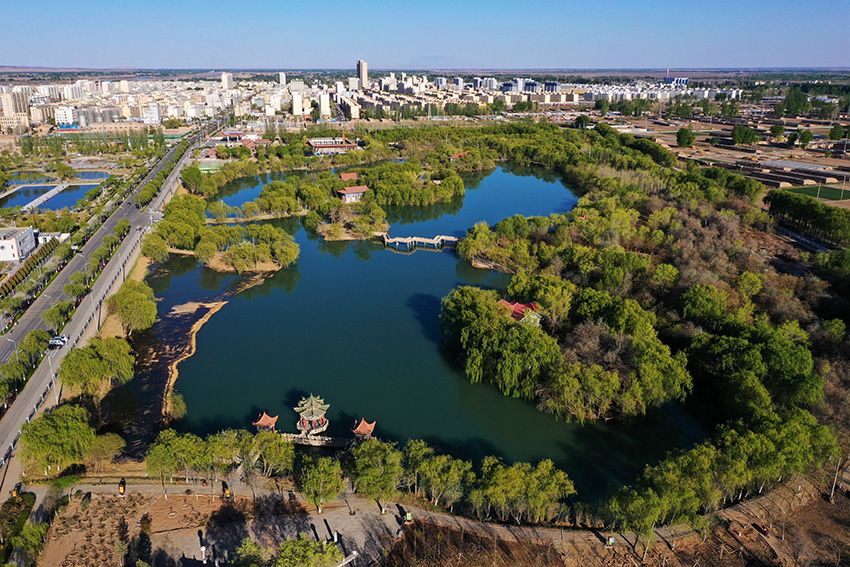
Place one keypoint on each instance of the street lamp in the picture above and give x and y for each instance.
(17, 356)
(53, 379)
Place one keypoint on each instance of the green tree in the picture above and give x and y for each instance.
(777, 130)
(56, 439)
(93, 368)
(192, 178)
(444, 476)
(104, 449)
(57, 315)
(582, 121)
(155, 247)
(414, 455)
(122, 227)
(321, 481)
(134, 305)
(743, 135)
(836, 132)
(75, 290)
(376, 469)
(685, 137)
(29, 543)
(276, 454)
(796, 102)
(704, 303)
(304, 552)
(602, 106)
(805, 138)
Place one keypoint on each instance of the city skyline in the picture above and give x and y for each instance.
(611, 34)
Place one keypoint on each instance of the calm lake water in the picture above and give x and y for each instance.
(66, 198)
(357, 324)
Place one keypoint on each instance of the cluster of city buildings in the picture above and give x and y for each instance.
(123, 104)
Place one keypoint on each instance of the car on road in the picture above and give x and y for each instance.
(57, 342)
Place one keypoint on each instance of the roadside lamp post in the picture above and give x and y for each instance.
(17, 356)
(53, 379)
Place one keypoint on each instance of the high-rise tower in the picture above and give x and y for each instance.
(362, 74)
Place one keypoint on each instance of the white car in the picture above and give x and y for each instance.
(57, 341)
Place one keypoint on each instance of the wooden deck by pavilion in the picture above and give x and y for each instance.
(411, 242)
(318, 440)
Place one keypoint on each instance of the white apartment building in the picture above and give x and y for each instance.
(151, 115)
(66, 115)
(297, 104)
(227, 81)
(16, 243)
(324, 105)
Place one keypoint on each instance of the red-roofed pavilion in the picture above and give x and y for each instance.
(364, 429)
(265, 422)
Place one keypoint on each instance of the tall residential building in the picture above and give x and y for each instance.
(227, 81)
(297, 106)
(353, 84)
(362, 74)
(125, 86)
(15, 103)
(324, 105)
(282, 78)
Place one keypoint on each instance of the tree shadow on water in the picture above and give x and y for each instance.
(426, 309)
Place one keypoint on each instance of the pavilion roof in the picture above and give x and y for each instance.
(348, 175)
(312, 407)
(364, 427)
(265, 420)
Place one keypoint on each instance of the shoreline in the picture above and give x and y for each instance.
(212, 307)
(192, 335)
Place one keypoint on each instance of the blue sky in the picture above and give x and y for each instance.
(424, 34)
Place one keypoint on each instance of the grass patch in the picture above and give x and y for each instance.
(828, 192)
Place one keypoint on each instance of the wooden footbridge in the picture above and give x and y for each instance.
(412, 242)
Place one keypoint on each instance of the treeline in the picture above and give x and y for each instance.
(91, 143)
(810, 217)
(739, 461)
(150, 189)
(241, 248)
(379, 470)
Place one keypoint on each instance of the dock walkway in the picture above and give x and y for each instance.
(411, 242)
(42, 198)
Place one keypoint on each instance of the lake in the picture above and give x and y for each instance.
(358, 325)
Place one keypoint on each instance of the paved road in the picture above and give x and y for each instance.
(36, 394)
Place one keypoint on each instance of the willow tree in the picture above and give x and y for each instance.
(56, 439)
(321, 481)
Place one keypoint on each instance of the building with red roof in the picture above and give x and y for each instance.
(348, 176)
(522, 312)
(353, 194)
